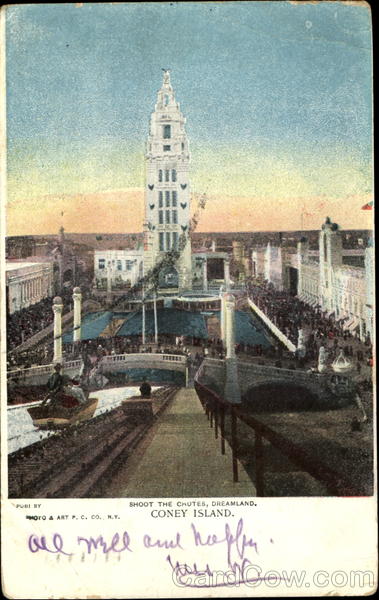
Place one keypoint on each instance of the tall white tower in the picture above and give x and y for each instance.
(330, 250)
(167, 191)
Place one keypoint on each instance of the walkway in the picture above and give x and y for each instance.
(273, 328)
(181, 458)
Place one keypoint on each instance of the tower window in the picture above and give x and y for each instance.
(161, 242)
(174, 198)
(119, 265)
(160, 175)
(166, 132)
(167, 198)
(167, 175)
(167, 217)
(160, 217)
(166, 100)
(160, 199)
(175, 217)
(175, 240)
(173, 175)
(101, 263)
(166, 148)
(168, 241)
(182, 145)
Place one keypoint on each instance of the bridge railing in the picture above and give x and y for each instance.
(106, 360)
(136, 357)
(41, 369)
(273, 328)
(216, 409)
(270, 370)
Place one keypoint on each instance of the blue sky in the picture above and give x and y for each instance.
(261, 84)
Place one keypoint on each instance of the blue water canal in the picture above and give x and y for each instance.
(171, 321)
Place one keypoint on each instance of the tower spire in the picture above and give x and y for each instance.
(166, 78)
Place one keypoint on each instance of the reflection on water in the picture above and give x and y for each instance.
(21, 432)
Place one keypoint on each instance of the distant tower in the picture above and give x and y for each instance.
(330, 252)
(167, 192)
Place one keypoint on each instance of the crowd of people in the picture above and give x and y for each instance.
(290, 315)
(25, 323)
(36, 355)
(287, 312)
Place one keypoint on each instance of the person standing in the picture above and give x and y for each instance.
(55, 381)
(145, 388)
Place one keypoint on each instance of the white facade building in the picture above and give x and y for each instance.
(273, 266)
(258, 261)
(340, 290)
(370, 288)
(167, 192)
(123, 267)
(27, 283)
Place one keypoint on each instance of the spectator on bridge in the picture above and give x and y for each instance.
(145, 388)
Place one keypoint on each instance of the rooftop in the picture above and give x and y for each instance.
(13, 266)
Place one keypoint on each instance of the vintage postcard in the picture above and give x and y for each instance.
(188, 319)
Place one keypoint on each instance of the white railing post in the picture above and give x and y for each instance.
(232, 391)
(77, 298)
(57, 309)
(222, 315)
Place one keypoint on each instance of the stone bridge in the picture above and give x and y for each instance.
(39, 375)
(329, 390)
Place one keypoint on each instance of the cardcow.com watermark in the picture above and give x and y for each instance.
(184, 575)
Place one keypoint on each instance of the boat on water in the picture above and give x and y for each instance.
(68, 411)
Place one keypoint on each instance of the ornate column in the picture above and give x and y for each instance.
(227, 274)
(232, 392)
(77, 298)
(57, 309)
(205, 275)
